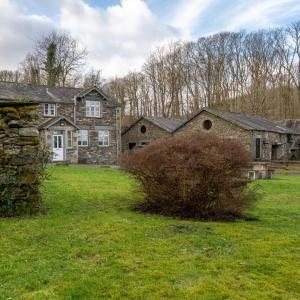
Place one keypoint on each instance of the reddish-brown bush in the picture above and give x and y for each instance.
(195, 175)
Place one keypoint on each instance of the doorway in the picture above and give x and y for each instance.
(274, 155)
(131, 146)
(58, 148)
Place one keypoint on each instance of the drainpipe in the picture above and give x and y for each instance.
(74, 117)
(118, 132)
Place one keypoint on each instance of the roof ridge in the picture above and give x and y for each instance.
(41, 85)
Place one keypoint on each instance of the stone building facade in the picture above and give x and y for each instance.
(77, 126)
(147, 129)
(19, 159)
(265, 139)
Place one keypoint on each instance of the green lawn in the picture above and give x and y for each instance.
(90, 245)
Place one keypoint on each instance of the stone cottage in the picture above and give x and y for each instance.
(147, 129)
(265, 139)
(77, 126)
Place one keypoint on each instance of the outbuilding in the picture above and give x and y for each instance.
(265, 139)
(147, 129)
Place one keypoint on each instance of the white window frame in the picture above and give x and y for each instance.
(49, 109)
(93, 109)
(103, 138)
(69, 139)
(83, 138)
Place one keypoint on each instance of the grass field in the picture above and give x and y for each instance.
(91, 245)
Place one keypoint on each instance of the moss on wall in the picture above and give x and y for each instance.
(21, 160)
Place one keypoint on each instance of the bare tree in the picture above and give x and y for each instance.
(68, 56)
(10, 76)
(93, 78)
(30, 69)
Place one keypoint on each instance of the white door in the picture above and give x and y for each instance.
(58, 148)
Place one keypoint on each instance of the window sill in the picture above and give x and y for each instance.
(93, 117)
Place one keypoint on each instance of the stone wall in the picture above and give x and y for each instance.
(92, 153)
(219, 127)
(223, 128)
(62, 109)
(108, 120)
(19, 159)
(134, 134)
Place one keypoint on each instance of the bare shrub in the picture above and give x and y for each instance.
(197, 175)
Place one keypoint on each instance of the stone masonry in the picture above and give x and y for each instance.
(153, 132)
(19, 159)
(66, 116)
(223, 128)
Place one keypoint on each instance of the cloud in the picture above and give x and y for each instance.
(121, 36)
(261, 14)
(117, 38)
(188, 13)
(18, 32)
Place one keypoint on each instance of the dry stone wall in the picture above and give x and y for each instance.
(20, 159)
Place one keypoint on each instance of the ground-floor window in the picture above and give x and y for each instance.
(69, 139)
(131, 146)
(83, 137)
(258, 148)
(103, 138)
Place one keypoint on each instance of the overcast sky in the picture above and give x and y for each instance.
(119, 34)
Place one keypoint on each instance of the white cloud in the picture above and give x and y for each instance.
(18, 32)
(188, 13)
(260, 14)
(118, 38)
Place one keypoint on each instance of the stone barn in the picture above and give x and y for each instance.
(265, 139)
(147, 129)
(294, 125)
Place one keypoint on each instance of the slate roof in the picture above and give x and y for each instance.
(244, 121)
(45, 94)
(55, 120)
(166, 124)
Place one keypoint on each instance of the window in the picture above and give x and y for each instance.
(143, 129)
(83, 137)
(49, 110)
(257, 148)
(69, 139)
(104, 138)
(131, 146)
(92, 108)
(207, 124)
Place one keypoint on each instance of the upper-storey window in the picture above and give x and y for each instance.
(49, 110)
(93, 108)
